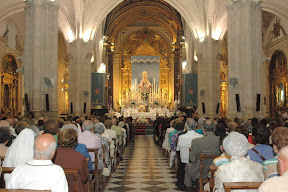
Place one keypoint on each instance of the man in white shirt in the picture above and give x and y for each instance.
(40, 173)
(184, 142)
(278, 184)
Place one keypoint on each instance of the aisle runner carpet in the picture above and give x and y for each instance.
(144, 168)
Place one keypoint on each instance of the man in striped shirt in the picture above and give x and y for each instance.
(279, 140)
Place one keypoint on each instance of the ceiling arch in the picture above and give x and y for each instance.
(156, 11)
(83, 18)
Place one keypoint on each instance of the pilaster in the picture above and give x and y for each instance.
(245, 57)
(80, 54)
(208, 76)
(40, 56)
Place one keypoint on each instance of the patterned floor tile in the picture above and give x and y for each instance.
(144, 168)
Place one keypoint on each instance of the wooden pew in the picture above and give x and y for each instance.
(23, 190)
(75, 173)
(68, 171)
(241, 185)
(201, 179)
(7, 169)
(213, 169)
(87, 172)
(95, 173)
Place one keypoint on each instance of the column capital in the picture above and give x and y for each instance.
(233, 3)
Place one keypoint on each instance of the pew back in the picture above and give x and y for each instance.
(203, 159)
(241, 185)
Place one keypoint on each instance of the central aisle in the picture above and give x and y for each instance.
(144, 168)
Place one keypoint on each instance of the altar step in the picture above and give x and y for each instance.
(144, 129)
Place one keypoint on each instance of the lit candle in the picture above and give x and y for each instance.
(154, 84)
(156, 90)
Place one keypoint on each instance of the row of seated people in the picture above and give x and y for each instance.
(39, 157)
(240, 151)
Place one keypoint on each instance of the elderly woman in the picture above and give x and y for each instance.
(262, 151)
(81, 148)
(67, 157)
(99, 128)
(240, 169)
(165, 144)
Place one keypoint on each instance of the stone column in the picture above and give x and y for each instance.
(80, 54)
(208, 76)
(110, 71)
(40, 55)
(177, 71)
(245, 57)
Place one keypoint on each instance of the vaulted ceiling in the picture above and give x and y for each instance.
(84, 17)
(157, 11)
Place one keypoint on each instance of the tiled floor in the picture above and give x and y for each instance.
(144, 168)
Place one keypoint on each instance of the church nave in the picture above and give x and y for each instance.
(144, 168)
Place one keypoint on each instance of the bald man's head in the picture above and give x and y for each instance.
(283, 160)
(44, 147)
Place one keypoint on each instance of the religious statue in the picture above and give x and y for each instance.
(145, 84)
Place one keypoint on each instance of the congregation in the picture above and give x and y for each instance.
(242, 151)
(70, 154)
(252, 151)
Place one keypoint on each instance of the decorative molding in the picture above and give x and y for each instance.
(6, 49)
(129, 11)
(281, 43)
(267, 17)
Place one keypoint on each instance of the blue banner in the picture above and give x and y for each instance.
(98, 88)
(190, 89)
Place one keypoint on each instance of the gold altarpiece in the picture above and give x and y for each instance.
(145, 43)
(9, 86)
(278, 82)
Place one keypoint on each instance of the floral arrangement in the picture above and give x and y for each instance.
(141, 120)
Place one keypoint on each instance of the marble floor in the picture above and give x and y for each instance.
(144, 168)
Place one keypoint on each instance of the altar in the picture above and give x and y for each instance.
(149, 115)
(147, 85)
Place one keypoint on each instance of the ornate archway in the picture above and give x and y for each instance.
(128, 18)
(9, 86)
(278, 86)
(145, 43)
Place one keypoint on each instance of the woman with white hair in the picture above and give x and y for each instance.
(240, 169)
(99, 129)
